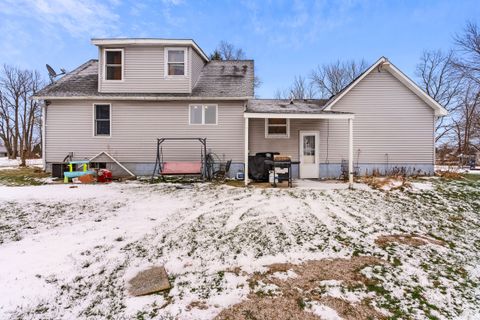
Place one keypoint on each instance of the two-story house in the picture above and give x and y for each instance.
(139, 90)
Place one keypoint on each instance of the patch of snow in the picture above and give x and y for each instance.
(313, 184)
(422, 186)
(76, 261)
(334, 288)
(324, 312)
(6, 163)
(284, 275)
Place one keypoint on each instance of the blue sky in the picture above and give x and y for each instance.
(286, 38)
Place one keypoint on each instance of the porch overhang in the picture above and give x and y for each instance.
(295, 109)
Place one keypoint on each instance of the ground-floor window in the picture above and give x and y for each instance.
(102, 121)
(203, 114)
(277, 128)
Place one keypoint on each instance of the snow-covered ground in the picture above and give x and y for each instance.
(68, 252)
(6, 163)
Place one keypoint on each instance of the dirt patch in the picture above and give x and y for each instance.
(312, 272)
(350, 311)
(456, 218)
(202, 305)
(267, 308)
(291, 295)
(408, 239)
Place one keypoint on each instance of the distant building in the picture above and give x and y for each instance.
(3, 151)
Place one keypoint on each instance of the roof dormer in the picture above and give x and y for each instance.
(148, 65)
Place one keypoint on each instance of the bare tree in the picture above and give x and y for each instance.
(281, 94)
(228, 51)
(441, 81)
(301, 88)
(466, 122)
(466, 116)
(330, 79)
(19, 116)
(468, 47)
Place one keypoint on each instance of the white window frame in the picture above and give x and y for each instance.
(203, 114)
(105, 64)
(277, 136)
(94, 117)
(185, 64)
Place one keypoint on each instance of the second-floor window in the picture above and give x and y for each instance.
(113, 64)
(175, 62)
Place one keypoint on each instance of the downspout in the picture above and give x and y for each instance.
(44, 136)
(435, 119)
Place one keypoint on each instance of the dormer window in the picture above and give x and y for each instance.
(113, 64)
(175, 61)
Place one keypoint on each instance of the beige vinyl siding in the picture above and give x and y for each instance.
(144, 72)
(389, 120)
(287, 146)
(197, 64)
(135, 127)
(391, 123)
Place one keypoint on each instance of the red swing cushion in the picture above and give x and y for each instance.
(173, 167)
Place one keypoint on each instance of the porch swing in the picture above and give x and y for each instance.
(180, 168)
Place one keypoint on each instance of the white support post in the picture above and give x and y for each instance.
(350, 153)
(246, 153)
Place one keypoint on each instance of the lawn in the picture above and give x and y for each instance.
(319, 251)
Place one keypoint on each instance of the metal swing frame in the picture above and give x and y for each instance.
(159, 163)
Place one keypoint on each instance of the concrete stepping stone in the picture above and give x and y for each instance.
(149, 281)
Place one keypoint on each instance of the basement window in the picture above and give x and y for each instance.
(113, 64)
(98, 165)
(277, 128)
(175, 58)
(102, 119)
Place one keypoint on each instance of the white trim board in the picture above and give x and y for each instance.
(383, 62)
(114, 160)
(299, 115)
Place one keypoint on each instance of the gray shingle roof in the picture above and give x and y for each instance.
(222, 79)
(311, 106)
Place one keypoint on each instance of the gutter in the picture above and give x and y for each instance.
(139, 98)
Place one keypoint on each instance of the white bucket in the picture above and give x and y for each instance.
(270, 177)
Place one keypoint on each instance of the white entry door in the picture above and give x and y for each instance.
(309, 160)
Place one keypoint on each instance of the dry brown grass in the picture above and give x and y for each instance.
(396, 182)
(202, 305)
(289, 301)
(456, 218)
(450, 175)
(407, 239)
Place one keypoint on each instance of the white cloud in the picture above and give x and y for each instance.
(173, 2)
(292, 24)
(78, 18)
